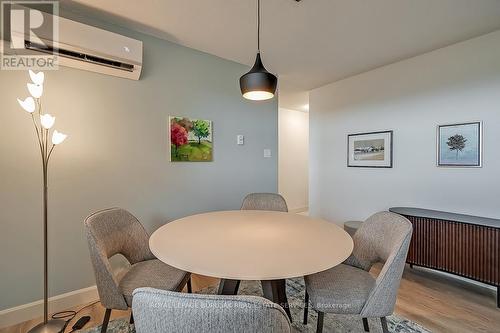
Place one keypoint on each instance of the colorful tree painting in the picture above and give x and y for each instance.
(190, 140)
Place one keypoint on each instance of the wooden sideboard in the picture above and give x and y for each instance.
(464, 245)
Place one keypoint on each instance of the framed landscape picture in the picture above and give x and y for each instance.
(459, 145)
(370, 150)
(190, 140)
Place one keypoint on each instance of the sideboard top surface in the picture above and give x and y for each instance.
(436, 214)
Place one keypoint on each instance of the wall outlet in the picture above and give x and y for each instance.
(267, 152)
(240, 139)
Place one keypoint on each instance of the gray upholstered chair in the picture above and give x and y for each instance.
(116, 231)
(264, 201)
(254, 201)
(349, 288)
(159, 311)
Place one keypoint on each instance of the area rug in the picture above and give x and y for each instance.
(295, 294)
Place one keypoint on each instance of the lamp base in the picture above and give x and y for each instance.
(52, 326)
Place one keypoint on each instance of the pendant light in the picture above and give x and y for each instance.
(258, 84)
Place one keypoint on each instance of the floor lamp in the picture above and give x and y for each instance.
(43, 123)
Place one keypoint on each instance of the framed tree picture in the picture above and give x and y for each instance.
(190, 140)
(459, 145)
(370, 150)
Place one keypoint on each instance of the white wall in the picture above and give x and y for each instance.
(453, 84)
(293, 179)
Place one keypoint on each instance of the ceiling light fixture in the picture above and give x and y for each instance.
(258, 84)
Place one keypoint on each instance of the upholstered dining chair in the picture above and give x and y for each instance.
(159, 311)
(264, 201)
(254, 201)
(116, 231)
(349, 288)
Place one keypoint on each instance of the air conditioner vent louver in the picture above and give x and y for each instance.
(81, 46)
(79, 56)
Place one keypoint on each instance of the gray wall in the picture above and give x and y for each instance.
(455, 84)
(117, 155)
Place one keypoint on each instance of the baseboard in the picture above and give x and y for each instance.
(22, 313)
(298, 210)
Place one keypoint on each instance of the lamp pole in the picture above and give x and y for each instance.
(45, 164)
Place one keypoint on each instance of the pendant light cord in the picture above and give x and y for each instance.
(258, 26)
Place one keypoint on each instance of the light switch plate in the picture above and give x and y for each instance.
(240, 139)
(267, 152)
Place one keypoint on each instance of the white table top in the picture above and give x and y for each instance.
(251, 245)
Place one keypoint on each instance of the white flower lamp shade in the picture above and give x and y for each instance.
(28, 104)
(36, 90)
(58, 137)
(37, 78)
(47, 121)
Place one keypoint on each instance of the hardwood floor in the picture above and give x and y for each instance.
(438, 302)
(444, 304)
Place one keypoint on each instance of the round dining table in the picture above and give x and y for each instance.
(251, 245)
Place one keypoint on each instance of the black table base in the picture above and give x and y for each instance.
(274, 290)
(228, 287)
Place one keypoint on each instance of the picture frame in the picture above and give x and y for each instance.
(460, 145)
(190, 140)
(370, 149)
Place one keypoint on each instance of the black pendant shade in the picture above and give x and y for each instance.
(258, 84)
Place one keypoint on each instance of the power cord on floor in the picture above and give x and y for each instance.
(69, 315)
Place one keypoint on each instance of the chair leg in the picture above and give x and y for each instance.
(105, 322)
(131, 321)
(189, 287)
(237, 287)
(498, 297)
(306, 308)
(319, 327)
(385, 329)
(365, 325)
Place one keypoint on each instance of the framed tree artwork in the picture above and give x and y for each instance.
(460, 145)
(370, 150)
(190, 140)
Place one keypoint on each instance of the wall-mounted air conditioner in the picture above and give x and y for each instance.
(89, 48)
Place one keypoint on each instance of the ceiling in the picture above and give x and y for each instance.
(308, 43)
